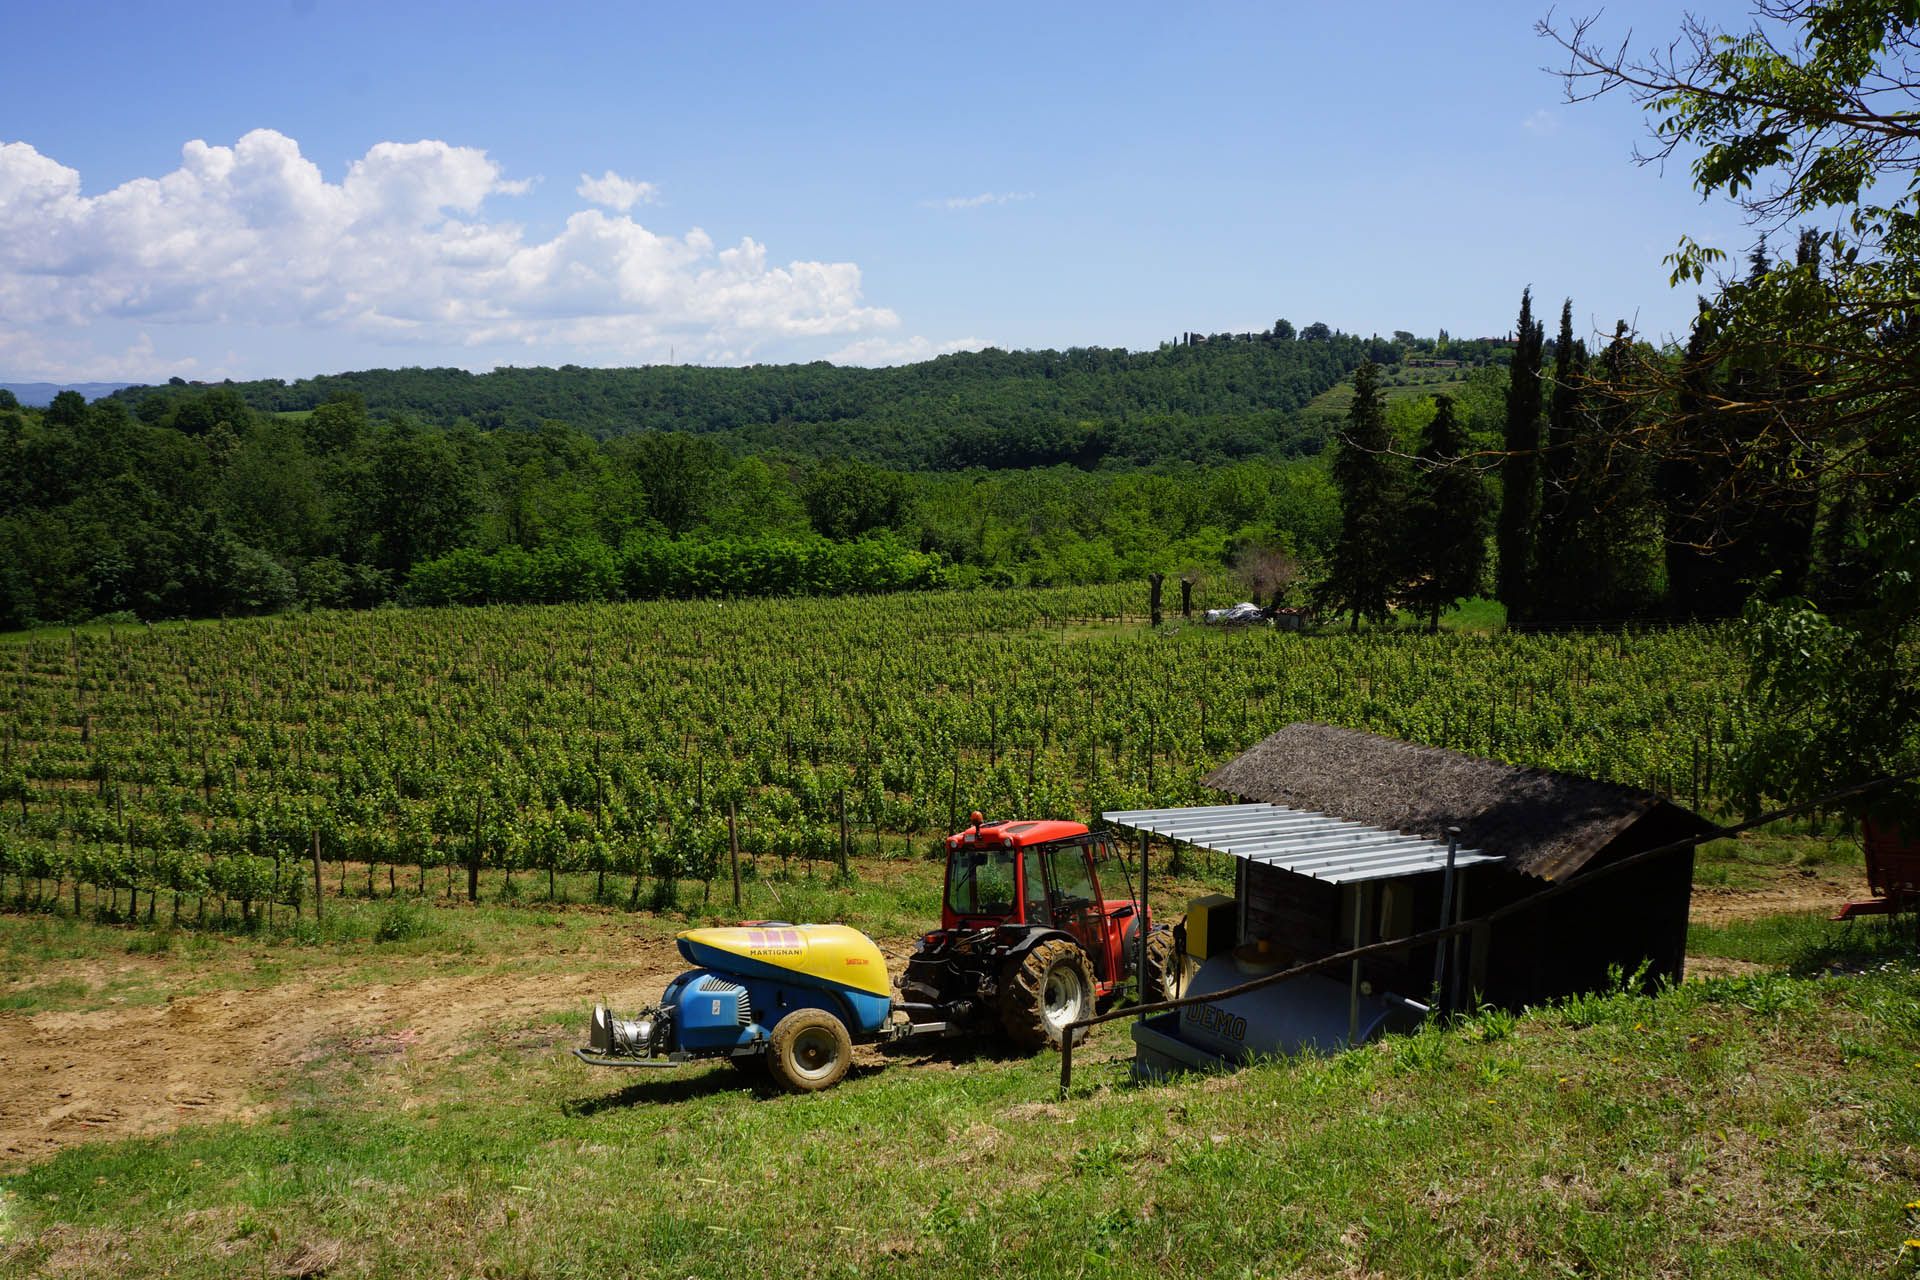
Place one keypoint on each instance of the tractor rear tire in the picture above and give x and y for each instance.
(1163, 974)
(810, 1050)
(1043, 991)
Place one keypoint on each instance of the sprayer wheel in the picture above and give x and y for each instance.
(810, 1050)
(1043, 991)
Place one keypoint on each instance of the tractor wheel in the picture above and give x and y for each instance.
(1043, 991)
(1163, 975)
(810, 1051)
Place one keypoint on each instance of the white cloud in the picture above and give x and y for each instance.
(1542, 122)
(877, 351)
(975, 202)
(616, 192)
(400, 249)
(35, 355)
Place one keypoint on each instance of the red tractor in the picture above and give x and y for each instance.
(1027, 943)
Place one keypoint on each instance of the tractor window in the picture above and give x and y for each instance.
(1070, 879)
(980, 882)
(1036, 892)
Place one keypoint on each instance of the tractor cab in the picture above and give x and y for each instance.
(1040, 875)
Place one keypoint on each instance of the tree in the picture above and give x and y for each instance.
(1809, 112)
(1556, 461)
(1365, 560)
(423, 497)
(1450, 510)
(1283, 330)
(847, 499)
(1520, 469)
(1605, 549)
(68, 409)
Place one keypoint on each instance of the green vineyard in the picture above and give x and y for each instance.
(412, 752)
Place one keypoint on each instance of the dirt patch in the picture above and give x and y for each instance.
(1793, 890)
(1706, 968)
(124, 1070)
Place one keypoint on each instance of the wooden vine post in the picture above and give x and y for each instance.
(473, 856)
(843, 832)
(733, 853)
(317, 895)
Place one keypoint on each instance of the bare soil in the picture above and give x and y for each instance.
(125, 1070)
(1792, 889)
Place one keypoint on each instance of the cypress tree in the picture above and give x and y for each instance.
(1363, 569)
(1447, 557)
(1693, 469)
(1608, 551)
(1520, 469)
(1556, 463)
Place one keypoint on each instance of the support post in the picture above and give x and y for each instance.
(1153, 596)
(1446, 917)
(1454, 984)
(1353, 973)
(1146, 927)
(1186, 597)
(733, 853)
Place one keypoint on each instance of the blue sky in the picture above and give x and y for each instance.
(722, 184)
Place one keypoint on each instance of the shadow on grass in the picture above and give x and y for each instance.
(955, 1052)
(1854, 946)
(675, 1086)
(1807, 944)
(664, 1088)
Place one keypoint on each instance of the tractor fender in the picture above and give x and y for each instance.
(1034, 937)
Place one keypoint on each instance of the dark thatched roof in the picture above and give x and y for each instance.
(1546, 824)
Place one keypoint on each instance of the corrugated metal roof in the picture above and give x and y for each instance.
(1306, 843)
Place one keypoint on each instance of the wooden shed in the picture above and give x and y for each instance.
(1537, 826)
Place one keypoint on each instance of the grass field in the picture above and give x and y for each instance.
(422, 1117)
(1336, 400)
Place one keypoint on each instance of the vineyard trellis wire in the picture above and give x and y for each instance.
(204, 764)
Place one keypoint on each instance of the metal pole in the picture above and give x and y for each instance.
(1446, 913)
(1146, 923)
(1353, 974)
(1459, 966)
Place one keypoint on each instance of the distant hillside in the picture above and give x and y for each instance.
(1085, 406)
(40, 394)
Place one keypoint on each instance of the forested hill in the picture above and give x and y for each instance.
(1231, 397)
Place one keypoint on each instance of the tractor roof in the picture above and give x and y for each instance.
(1021, 834)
